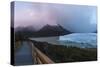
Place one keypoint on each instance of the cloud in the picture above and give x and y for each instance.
(73, 18)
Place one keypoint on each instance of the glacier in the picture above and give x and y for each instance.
(83, 40)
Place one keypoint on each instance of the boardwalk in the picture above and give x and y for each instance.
(28, 54)
(24, 55)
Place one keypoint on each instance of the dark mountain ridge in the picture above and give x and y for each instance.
(47, 30)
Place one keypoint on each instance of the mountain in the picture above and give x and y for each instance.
(47, 30)
(52, 30)
(28, 28)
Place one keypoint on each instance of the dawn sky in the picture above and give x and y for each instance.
(74, 18)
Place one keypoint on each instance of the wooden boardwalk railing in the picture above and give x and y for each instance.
(39, 57)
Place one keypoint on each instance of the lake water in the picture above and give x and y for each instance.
(83, 40)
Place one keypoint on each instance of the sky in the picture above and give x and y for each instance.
(75, 18)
